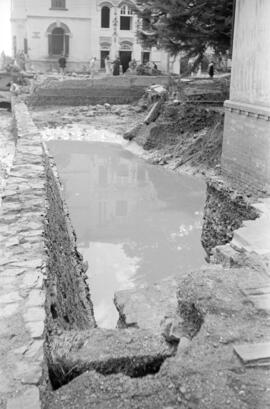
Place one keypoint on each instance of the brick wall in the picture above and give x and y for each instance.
(246, 149)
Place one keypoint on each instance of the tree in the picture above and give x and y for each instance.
(186, 25)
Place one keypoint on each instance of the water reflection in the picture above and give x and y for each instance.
(135, 223)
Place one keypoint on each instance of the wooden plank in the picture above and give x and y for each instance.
(254, 354)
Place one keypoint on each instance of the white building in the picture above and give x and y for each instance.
(81, 29)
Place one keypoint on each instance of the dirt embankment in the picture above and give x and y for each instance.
(188, 131)
(188, 135)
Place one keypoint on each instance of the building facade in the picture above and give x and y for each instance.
(81, 29)
(246, 141)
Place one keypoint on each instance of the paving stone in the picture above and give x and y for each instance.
(36, 329)
(34, 314)
(5, 385)
(36, 298)
(36, 348)
(27, 400)
(13, 272)
(33, 375)
(28, 263)
(7, 281)
(32, 279)
(21, 350)
(8, 310)
(10, 298)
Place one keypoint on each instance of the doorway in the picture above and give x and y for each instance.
(125, 58)
(103, 55)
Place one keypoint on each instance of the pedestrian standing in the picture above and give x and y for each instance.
(211, 69)
(62, 64)
(116, 66)
(108, 65)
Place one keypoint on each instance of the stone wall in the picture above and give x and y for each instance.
(68, 299)
(224, 212)
(112, 90)
(86, 96)
(40, 269)
(23, 270)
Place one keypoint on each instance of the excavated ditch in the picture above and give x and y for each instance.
(74, 344)
(70, 322)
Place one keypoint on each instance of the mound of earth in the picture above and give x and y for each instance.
(186, 135)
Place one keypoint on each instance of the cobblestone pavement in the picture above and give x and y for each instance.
(7, 147)
(21, 248)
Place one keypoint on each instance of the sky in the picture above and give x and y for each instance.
(5, 30)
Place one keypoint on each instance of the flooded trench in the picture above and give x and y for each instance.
(135, 223)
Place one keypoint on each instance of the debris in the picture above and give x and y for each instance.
(254, 354)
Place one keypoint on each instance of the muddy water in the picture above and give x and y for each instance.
(135, 223)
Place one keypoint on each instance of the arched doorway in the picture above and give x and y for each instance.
(125, 54)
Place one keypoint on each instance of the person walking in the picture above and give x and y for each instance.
(116, 66)
(211, 69)
(92, 67)
(62, 64)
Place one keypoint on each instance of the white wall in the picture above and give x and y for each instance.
(74, 8)
(80, 37)
(31, 19)
(250, 81)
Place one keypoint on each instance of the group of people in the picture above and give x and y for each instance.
(111, 67)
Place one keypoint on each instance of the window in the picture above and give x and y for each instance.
(105, 17)
(121, 208)
(58, 4)
(145, 57)
(125, 10)
(125, 18)
(58, 42)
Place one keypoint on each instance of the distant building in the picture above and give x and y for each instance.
(80, 29)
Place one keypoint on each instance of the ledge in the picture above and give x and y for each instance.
(248, 110)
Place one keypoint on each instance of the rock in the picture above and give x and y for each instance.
(92, 390)
(147, 307)
(131, 352)
(183, 345)
(123, 114)
(172, 329)
(133, 133)
(107, 106)
(154, 112)
(90, 114)
(29, 399)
